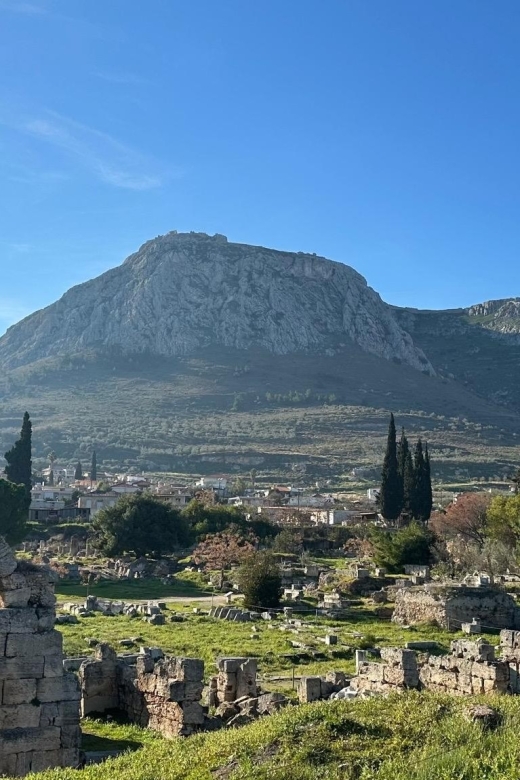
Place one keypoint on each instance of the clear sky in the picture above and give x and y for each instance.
(381, 133)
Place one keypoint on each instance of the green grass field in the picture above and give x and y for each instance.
(203, 637)
(410, 736)
(186, 584)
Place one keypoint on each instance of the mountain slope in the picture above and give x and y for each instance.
(200, 355)
(182, 292)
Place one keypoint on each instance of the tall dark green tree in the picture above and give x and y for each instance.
(93, 468)
(391, 494)
(51, 478)
(428, 501)
(19, 463)
(409, 484)
(13, 511)
(403, 449)
(422, 490)
(78, 474)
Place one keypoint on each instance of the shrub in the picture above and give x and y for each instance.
(260, 581)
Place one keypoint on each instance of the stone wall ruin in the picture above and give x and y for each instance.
(470, 669)
(451, 606)
(39, 702)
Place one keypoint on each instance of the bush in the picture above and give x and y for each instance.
(141, 525)
(260, 581)
(413, 544)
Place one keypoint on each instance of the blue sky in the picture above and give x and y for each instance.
(381, 134)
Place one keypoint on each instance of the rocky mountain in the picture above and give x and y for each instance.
(198, 354)
(502, 316)
(185, 291)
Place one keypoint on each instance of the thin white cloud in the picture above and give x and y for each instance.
(30, 9)
(108, 159)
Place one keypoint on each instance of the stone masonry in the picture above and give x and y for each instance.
(39, 702)
(471, 668)
(451, 606)
(236, 678)
(159, 693)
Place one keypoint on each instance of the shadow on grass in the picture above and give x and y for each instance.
(95, 743)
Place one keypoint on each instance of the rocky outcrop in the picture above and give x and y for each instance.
(181, 292)
(501, 316)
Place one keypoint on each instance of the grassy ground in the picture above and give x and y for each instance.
(188, 584)
(410, 736)
(203, 637)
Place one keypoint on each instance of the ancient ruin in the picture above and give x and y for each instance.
(450, 606)
(160, 693)
(470, 669)
(39, 702)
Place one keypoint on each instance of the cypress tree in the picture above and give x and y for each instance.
(19, 463)
(93, 468)
(422, 487)
(402, 451)
(51, 478)
(78, 474)
(391, 495)
(409, 485)
(428, 501)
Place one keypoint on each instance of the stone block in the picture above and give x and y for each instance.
(193, 713)
(398, 657)
(18, 691)
(70, 736)
(21, 668)
(64, 688)
(22, 645)
(46, 617)
(8, 765)
(19, 716)
(18, 621)
(189, 669)
(309, 689)
(39, 739)
(53, 666)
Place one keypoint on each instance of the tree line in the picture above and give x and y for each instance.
(406, 484)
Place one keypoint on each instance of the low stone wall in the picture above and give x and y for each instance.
(470, 669)
(159, 693)
(450, 606)
(39, 703)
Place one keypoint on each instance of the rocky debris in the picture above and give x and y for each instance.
(231, 613)
(39, 709)
(315, 688)
(487, 717)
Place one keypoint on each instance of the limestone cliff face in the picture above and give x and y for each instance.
(502, 316)
(181, 292)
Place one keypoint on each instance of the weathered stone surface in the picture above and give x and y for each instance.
(23, 645)
(309, 689)
(35, 734)
(450, 607)
(18, 691)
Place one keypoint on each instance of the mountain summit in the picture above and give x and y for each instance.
(185, 291)
(198, 354)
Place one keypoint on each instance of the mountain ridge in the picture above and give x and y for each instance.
(180, 292)
(197, 353)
